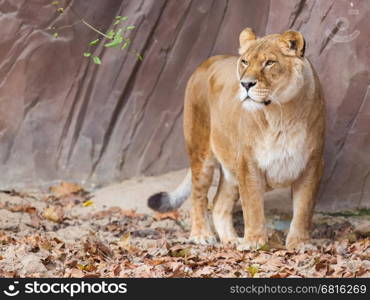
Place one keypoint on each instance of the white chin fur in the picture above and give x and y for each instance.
(250, 105)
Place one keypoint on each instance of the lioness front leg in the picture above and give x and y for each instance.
(304, 192)
(251, 188)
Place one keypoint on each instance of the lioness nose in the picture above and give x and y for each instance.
(248, 84)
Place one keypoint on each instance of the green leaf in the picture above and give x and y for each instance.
(87, 54)
(117, 40)
(130, 27)
(117, 22)
(56, 34)
(96, 60)
(94, 42)
(60, 10)
(111, 34)
(121, 18)
(55, 3)
(139, 56)
(114, 43)
(109, 45)
(125, 44)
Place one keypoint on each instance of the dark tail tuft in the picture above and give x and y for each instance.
(160, 202)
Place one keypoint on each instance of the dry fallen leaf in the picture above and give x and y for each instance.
(173, 215)
(125, 241)
(76, 273)
(253, 270)
(54, 214)
(21, 208)
(94, 246)
(179, 251)
(131, 213)
(87, 267)
(35, 219)
(6, 239)
(116, 270)
(65, 189)
(153, 262)
(87, 203)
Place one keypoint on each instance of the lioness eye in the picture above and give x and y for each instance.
(269, 63)
(244, 62)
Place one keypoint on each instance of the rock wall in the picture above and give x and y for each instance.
(62, 117)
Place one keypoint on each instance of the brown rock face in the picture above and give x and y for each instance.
(62, 117)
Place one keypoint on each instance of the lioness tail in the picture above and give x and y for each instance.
(164, 201)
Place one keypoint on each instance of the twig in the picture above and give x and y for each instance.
(96, 30)
(88, 25)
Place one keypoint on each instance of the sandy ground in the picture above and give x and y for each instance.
(133, 193)
(110, 232)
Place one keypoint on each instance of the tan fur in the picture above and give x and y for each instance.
(259, 147)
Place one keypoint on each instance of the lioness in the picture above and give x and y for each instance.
(261, 116)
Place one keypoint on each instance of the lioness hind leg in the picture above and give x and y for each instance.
(197, 128)
(224, 201)
(202, 174)
(304, 191)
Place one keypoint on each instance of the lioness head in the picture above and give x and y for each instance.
(269, 68)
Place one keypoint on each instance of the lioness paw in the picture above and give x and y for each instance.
(203, 239)
(231, 241)
(300, 243)
(252, 243)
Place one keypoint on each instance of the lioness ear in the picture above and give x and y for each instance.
(246, 36)
(292, 43)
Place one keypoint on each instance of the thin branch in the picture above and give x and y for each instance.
(88, 25)
(96, 30)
